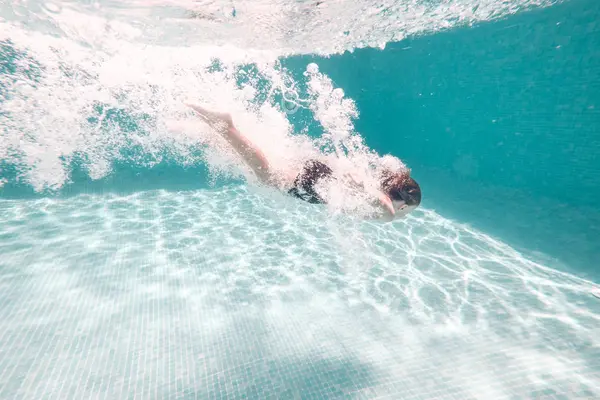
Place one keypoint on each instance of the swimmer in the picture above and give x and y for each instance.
(397, 195)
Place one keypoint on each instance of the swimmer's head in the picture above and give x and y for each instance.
(403, 190)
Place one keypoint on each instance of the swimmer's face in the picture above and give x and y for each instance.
(404, 192)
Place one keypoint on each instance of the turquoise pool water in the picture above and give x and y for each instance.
(137, 263)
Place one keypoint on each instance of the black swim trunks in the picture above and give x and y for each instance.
(304, 184)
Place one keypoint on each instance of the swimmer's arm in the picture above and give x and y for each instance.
(382, 203)
(219, 121)
(252, 155)
(385, 207)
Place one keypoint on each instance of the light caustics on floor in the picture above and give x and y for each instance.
(229, 293)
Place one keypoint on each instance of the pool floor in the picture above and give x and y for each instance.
(228, 294)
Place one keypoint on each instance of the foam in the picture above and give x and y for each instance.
(48, 122)
(142, 58)
(157, 294)
(321, 27)
(54, 117)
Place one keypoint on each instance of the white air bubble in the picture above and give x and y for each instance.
(312, 68)
(338, 93)
(53, 8)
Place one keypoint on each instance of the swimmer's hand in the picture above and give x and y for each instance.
(381, 201)
(386, 207)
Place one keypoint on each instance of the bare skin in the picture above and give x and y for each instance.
(258, 162)
(252, 155)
